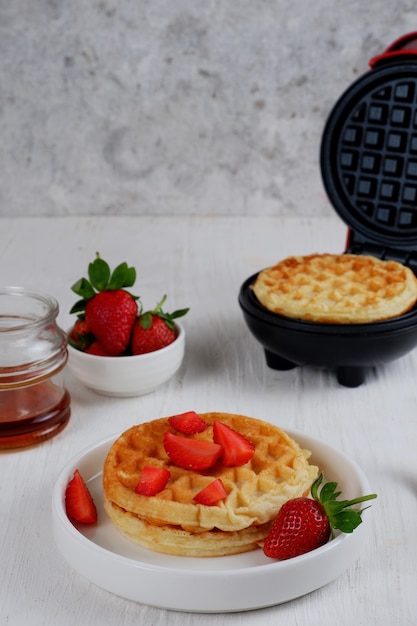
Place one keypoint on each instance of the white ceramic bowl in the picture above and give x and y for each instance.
(205, 585)
(127, 376)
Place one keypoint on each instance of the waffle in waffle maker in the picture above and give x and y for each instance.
(369, 169)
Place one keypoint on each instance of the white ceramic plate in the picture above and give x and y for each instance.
(211, 585)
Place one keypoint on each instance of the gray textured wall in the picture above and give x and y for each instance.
(165, 107)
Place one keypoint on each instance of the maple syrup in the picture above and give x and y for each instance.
(34, 404)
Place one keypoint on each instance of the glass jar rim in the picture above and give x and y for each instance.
(50, 303)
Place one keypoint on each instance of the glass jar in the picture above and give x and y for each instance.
(34, 404)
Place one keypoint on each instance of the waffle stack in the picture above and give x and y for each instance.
(171, 521)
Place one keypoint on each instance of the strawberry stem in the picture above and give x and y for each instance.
(146, 318)
(339, 512)
(372, 496)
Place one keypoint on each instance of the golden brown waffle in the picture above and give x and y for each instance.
(171, 522)
(337, 288)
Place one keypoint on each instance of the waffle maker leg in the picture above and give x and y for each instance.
(276, 362)
(350, 376)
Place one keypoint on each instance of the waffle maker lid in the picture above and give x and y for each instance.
(368, 156)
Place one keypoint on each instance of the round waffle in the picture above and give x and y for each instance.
(337, 288)
(171, 522)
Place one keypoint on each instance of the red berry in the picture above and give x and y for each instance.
(80, 329)
(97, 349)
(110, 316)
(79, 503)
(152, 480)
(80, 336)
(193, 454)
(300, 526)
(236, 449)
(304, 524)
(107, 308)
(212, 493)
(155, 329)
(188, 423)
(153, 337)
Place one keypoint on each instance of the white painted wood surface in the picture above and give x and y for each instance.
(201, 263)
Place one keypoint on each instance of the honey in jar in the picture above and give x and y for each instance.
(34, 404)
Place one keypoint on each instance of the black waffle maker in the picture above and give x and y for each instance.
(368, 161)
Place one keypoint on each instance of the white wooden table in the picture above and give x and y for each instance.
(201, 263)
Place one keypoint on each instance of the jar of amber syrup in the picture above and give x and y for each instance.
(34, 404)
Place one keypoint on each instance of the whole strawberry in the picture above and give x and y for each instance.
(108, 310)
(80, 336)
(304, 524)
(154, 330)
(111, 315)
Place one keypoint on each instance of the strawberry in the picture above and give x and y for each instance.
(111, 316)
(304, 524)
(152, 480)
(188, 423)
(108, 309)
(194, 454)
(97, 349)
(236, 449)
(154, 329)
(212, 493)
(153, 337)
(80, 336)
(79, 503)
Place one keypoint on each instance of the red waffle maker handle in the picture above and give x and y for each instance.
(405, 46)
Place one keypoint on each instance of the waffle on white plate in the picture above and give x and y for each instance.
(172, 521)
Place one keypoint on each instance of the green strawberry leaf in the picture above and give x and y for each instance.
(146, 320)
(79, 306)
(347, 520)
(99, 274)
(339, 512)
(101, 278)
(169, 317)
(178, 313)
(328, 492)
(122, 276)
(334, 507)
(167, 320)
(83, 288)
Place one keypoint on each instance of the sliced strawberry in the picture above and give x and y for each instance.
(212, 493)
(236, 449)
(194, 454)
(188, 423)
(152, 480)
(79, 503)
